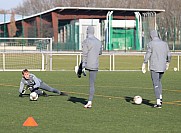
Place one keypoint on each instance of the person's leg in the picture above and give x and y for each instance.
(160, 84)
(45, 87)
(38, 91)
(156, 85)
(92, 77)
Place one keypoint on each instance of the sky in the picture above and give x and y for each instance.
(8, 4)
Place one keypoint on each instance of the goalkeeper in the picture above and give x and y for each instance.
(159, 55)
(91, 48)
(31, 82)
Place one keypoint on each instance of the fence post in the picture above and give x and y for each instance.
(80, 58)
(4, 61)
(178, 64)
(113, 62)
(110, 62)
(43, 62)
(77, 60)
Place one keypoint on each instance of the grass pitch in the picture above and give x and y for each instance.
(113, 110)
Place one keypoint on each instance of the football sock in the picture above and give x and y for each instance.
(160, 96)
(158, 101)
(161, 99)
(89, 102)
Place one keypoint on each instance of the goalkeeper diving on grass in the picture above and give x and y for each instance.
(30, 82)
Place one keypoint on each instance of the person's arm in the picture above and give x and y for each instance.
(146, 58)
(85, 53)
(168, 54)
(148, 53)
(37, 82)
(21, 88)
(168, 58)
(100, 52)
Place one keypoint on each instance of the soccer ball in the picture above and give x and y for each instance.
(137, 99)
(33, 96)
(175, 69)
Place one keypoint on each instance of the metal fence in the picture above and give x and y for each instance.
(66, 61)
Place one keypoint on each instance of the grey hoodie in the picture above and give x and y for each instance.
(91, 48)
(32, 81)
(157, 53)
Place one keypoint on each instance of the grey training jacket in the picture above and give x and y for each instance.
(91, 48)
(32, 81)
(157, 53)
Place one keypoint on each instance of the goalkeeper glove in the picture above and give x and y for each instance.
(24, 90)
(32, 89)
(83, 65)
(167, 65)
(143, 68)
(84, 72)
(83, 68)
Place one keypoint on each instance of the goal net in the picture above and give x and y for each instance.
(20, 53)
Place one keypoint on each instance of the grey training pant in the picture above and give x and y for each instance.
(45, 87)
(92, 77)
(156, 80)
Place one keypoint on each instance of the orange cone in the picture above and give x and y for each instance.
(30, 122)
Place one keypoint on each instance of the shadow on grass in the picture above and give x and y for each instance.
(52, 95)
(145, 101)
(77, 100)
(49, 95)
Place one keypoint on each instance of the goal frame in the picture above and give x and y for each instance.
(46, 54)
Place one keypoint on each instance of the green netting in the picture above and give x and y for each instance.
(123, 39)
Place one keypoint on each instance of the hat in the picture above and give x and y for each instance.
(153, 34)
(90, 30)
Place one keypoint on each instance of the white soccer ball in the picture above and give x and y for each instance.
(33, 96)
(175, 69)
(137, 99)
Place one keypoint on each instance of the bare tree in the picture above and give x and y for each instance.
(170, 20)
(30, 7)
(13, 27)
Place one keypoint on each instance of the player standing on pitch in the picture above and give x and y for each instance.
(91, 48)
(159, 56)
(34, 84)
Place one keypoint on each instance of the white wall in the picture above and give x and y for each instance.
(83, 24)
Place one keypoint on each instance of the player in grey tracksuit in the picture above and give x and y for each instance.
(91, 48)
(34, 84)
(159, 57)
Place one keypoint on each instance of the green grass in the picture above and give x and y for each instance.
(112, 111)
